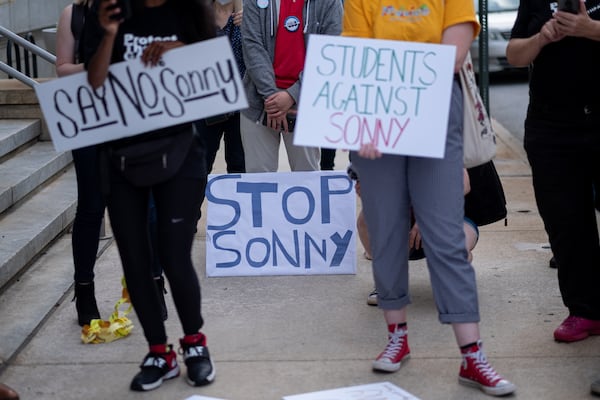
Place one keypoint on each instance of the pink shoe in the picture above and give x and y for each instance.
(395, 352)
(575, 328)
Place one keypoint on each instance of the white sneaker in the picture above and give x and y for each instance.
(372, 298)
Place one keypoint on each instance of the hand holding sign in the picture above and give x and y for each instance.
(154, 51)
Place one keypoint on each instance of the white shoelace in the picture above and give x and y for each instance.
(395, 343)
(482, 365)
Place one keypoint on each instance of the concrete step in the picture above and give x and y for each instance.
(38, 197)
(37, 184)
(29, 169)
(26, 303)
(14, 133)
(30, 300)
(28, 229)
(18, 100)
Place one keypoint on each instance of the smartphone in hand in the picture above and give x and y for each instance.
(571, 6)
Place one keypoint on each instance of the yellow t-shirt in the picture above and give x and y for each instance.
(407, 20)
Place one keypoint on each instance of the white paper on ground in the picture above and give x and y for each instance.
(373, 391)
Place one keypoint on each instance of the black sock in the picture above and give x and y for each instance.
(466, 346)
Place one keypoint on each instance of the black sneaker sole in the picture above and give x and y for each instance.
(145, 387)
(208, 380)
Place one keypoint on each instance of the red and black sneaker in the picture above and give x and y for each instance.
(200, 368)
(159, 365)
(476, 371)
(396, 350)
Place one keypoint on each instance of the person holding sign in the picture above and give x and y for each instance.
(391, 184)
(90, 200)
(168, 164)
(274, 39)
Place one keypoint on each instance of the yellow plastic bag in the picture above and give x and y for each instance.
(118, 325)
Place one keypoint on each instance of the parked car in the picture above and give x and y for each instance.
(501, 18)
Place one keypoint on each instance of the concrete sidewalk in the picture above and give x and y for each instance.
(277, 336)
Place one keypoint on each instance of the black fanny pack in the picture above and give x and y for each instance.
(152, 161)
(218, 119)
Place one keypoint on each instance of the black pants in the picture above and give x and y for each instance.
(229, 131)
(89, 213)
(563, 148)
(327, 159)
(177, 203)
(156, 267)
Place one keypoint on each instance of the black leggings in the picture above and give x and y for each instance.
(178, 202)
(89, 214)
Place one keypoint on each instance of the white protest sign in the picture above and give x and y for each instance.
(391, 93)
(280, 223)
(191, 82)
(373, 391)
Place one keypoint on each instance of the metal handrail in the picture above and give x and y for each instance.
(7, 69)
(51, 58)
(35, 49)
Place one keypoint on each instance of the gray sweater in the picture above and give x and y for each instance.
(258, 44)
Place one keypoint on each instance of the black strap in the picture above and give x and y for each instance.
(77, 21)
